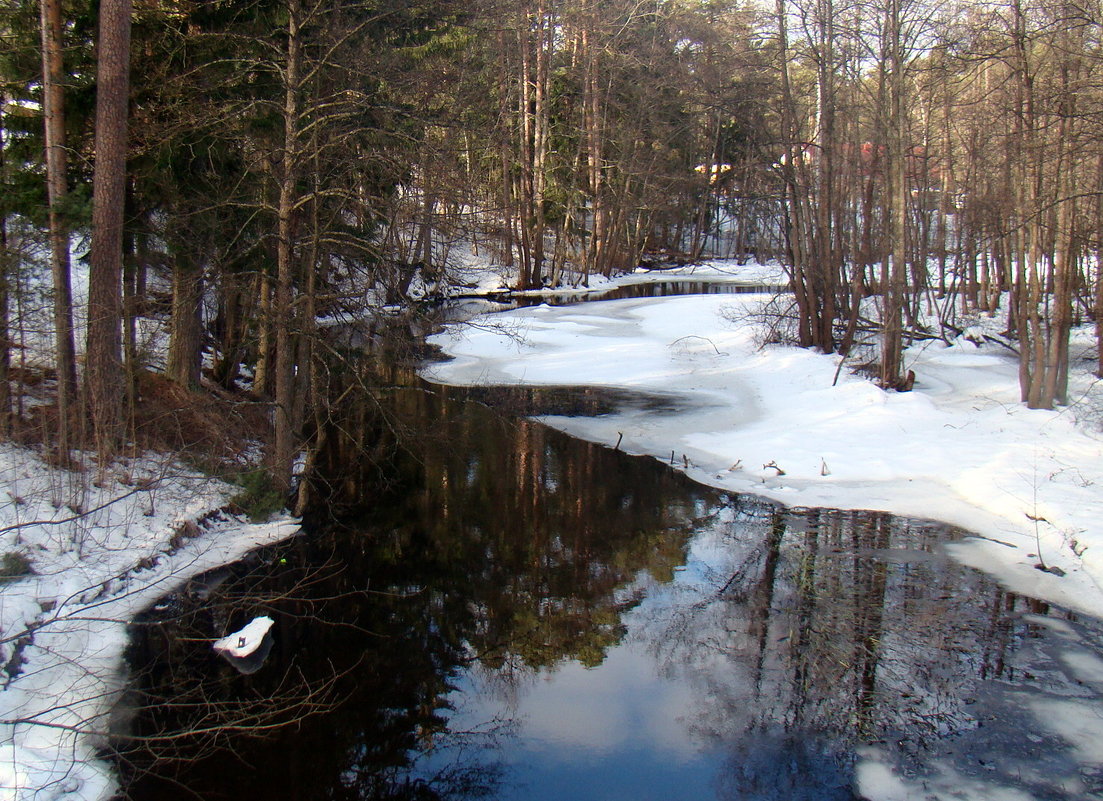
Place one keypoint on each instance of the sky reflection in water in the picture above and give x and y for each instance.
(638, 636)
(893, 673)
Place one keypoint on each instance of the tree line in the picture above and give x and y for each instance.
(947, 154)
(241, 168)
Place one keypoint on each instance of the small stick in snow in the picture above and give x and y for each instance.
(695, 336)
(773, 465)
(838, 369)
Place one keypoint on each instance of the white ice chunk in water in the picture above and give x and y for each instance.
(244, 641)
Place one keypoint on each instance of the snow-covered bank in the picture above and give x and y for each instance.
(99, 555)
(788, 424)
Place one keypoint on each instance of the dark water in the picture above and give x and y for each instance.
(649, 289)
(483, 607)
(661, 289)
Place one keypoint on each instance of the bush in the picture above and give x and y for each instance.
(15, 565)
(258, 500)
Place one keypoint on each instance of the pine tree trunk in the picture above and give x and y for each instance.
(596, 254)
(131, 358)
(104, 371)
(5, 330)
(53, 110)
(524, 114)
(284, 444)
(229, 329)
(540, 143)
(186, 335)
(508, 211)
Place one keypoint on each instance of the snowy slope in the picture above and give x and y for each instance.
(99, 555)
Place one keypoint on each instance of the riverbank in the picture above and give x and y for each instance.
(82, 555)
(797, 427)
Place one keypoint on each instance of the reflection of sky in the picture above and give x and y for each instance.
(623, 729)
(712, 552)
(592, 714)
(671, 713)
(610, 732)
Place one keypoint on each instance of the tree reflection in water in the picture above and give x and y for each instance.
(454, 555)
(832, 631)
(442, 533)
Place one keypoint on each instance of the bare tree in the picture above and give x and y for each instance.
(5, 277)
(894, 127)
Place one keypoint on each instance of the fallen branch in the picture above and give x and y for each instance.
(695, 336)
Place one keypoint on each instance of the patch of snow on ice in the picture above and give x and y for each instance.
(246, 640)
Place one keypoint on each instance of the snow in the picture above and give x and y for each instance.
(246, 640)
(960, 448)
(102, 548)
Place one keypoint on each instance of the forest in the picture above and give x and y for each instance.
(236, 234)
(234, 171)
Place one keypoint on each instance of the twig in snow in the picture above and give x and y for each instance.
(695, 336)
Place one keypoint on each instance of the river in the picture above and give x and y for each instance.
(480, 606)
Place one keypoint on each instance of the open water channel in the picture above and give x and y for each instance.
(482, 607)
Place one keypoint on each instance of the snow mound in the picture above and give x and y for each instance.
(246, 640)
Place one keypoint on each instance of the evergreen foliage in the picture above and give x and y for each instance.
(291, 159)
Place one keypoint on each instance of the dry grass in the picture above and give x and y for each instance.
(208, 426)
(213, 429)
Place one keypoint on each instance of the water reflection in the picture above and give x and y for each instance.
(484, 607)
(644, 289)
(790, 645)
(662, 289)
(444, 534)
